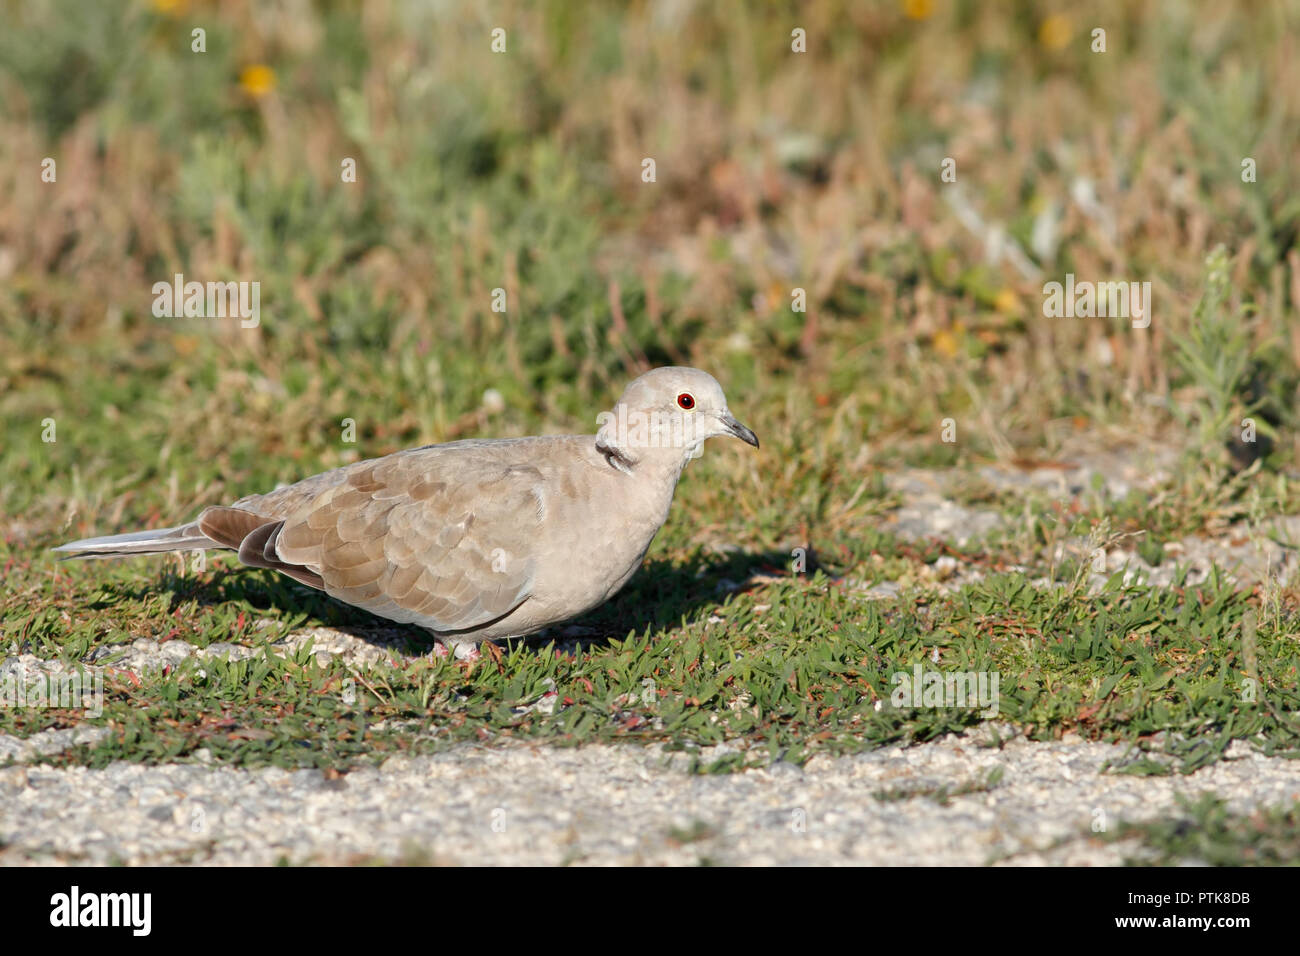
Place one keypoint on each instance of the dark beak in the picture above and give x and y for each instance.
(739, 430)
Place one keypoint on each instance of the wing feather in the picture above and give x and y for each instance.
(428, 537)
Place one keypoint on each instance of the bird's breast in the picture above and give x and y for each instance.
(599, 539)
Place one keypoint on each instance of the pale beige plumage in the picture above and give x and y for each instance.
(475, 539)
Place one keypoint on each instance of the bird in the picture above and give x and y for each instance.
(478, 539)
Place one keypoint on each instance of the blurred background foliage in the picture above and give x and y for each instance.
(521, 170)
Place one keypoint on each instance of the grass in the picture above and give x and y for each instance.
(1206, 833)
(794, 668)
(776, 172)
(943, 793)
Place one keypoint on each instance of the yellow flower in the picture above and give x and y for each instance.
(257, 80)
(1006, 302)
(1055, 31)
(945, 343)
(170, 8)
(918, 9)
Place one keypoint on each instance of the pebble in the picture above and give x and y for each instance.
(599, 804)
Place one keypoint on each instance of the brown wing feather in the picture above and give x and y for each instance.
(427, 537)
(253, 536)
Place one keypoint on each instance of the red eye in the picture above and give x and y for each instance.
(685, 400)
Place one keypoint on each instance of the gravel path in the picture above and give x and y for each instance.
(615, 805)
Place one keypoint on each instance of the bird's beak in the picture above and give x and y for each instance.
(737, 429)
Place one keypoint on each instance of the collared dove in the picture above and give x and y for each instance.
(476, 539)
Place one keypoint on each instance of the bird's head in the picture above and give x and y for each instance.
(671, 408)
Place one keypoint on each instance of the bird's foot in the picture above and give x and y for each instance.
(463, 651)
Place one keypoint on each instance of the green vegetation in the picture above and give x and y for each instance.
(775, 171)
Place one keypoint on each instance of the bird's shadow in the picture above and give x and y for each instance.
(661, 594)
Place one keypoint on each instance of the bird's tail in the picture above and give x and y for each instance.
(186, 537)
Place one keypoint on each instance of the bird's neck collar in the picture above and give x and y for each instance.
(631, 458)
(638, 442)
(615, 456)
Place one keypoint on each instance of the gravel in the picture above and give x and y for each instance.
(617, 805)
(1266, 552)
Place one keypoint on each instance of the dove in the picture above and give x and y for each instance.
(478, 539)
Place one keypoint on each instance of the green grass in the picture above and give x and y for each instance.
(785, 670)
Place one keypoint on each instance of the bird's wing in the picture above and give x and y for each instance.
(432, 537)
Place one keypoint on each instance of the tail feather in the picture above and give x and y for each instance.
(186, 537)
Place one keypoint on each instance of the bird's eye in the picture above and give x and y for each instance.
(686, 401)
